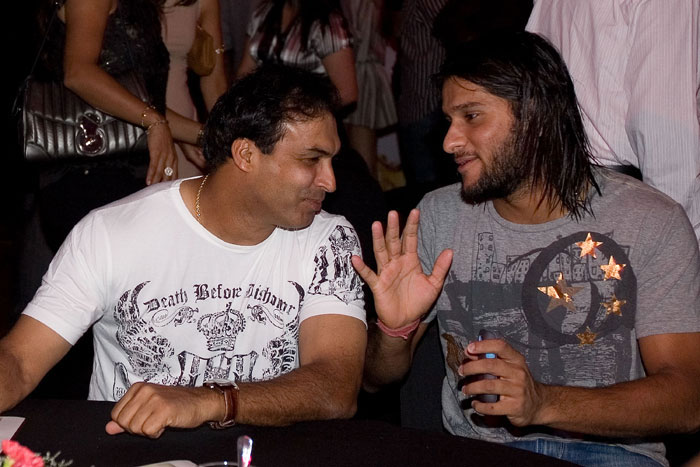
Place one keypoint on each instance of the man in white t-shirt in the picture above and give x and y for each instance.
(228, 298)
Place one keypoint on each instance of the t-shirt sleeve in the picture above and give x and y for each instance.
(328, 39)
(335, 287)
(668, 281)
(72, 294)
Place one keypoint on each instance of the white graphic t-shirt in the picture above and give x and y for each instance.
(173, 304)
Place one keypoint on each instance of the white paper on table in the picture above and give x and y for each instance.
(180, 463)
(8, 426)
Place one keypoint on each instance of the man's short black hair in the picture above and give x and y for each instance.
(527, 71)
(259, 105)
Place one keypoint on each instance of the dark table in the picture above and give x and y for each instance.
(76, 428)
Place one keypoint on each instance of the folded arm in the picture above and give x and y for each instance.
(325, 386)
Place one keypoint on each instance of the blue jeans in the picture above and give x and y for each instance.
(586, 454)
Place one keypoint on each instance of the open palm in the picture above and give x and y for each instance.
(402, 292)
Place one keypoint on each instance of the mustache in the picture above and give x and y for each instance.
(465, 154)
(316, 196)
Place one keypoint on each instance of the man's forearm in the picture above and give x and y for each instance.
(28, 351)
(311, 392)
(388, 358)
(314, 391)
(331, 357)
(667, 402)
(14, 386)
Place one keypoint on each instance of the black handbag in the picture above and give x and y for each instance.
(56, 124)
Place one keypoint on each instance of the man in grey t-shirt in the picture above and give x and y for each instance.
(591, 279)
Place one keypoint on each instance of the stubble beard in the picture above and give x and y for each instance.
(505, 175)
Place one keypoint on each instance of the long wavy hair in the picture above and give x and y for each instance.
(309, 12)
(527, 71)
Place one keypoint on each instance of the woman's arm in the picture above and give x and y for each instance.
(247, 62)
(340, 67)
(215, 84)
(86, 21)
(184, 129)
(335, 50)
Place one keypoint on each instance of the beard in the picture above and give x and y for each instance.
(504, 175)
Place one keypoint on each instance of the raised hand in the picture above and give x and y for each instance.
(402, 292)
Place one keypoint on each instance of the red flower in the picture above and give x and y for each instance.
(20, 455)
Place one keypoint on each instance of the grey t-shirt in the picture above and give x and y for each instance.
(572, 296)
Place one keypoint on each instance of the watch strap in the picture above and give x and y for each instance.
(229, 390)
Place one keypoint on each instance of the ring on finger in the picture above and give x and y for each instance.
(168, 171)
